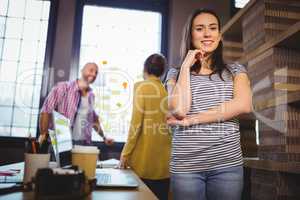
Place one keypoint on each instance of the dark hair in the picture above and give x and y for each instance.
(155, 64)
(217, 64)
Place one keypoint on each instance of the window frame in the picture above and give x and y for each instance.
(11, 141)
(147, 5)
(233, 9)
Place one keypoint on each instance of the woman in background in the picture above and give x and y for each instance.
(147, 150)
(206, 96)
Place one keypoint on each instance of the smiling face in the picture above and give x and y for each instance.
(205, 32)
(89, 72)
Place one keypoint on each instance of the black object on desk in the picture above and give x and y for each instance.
(53, 185)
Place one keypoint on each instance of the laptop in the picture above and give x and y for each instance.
(61, 139)
(118, 178)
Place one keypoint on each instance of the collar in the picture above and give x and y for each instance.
(153, 78)
(75, 86)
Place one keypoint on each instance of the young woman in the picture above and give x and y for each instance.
(205, 97)
(147, 150)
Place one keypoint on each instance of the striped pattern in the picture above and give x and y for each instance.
(210, 146)
(64, 98)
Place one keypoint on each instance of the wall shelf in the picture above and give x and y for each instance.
(288, 39)
(289, 98)
(273, 176)
(233, 28)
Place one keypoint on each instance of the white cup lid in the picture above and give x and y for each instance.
(85, 149)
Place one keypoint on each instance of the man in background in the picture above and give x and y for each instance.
(75, 100)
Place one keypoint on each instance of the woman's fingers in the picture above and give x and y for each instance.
(189, 59)
(201, 55)
(182, 122)
(170, 116)
(123, 164)
(172, 121)
(194, 55)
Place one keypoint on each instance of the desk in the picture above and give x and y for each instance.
(142, 192)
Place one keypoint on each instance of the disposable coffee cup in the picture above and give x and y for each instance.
(33, 162)
(85, 157)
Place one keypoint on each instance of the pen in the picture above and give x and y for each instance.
(32, 144)
(44, 145)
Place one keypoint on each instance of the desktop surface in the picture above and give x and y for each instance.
(141, 192)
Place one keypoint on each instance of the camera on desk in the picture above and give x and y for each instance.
(61, 183)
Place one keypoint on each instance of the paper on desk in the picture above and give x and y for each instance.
(8, 173)
(6, 185)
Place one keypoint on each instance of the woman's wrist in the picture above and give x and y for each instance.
(184, 72)
(185, 67)
(194, 119)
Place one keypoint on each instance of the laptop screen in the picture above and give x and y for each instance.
(61, 139)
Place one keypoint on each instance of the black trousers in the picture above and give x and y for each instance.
(159, 187)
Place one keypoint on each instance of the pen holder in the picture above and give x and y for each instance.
(33, 162)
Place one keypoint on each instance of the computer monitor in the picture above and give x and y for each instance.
(61, 139)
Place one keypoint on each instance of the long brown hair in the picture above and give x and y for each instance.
(217, 63)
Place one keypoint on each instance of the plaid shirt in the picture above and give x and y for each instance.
(65, 99)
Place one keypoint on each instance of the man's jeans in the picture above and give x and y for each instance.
(223, 184)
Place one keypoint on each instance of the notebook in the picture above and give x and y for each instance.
(61, 139)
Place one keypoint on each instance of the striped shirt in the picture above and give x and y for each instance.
(65, 99)
(209, 146)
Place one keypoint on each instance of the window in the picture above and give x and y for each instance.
(240, 3)
(118, 40)
(23, 34)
